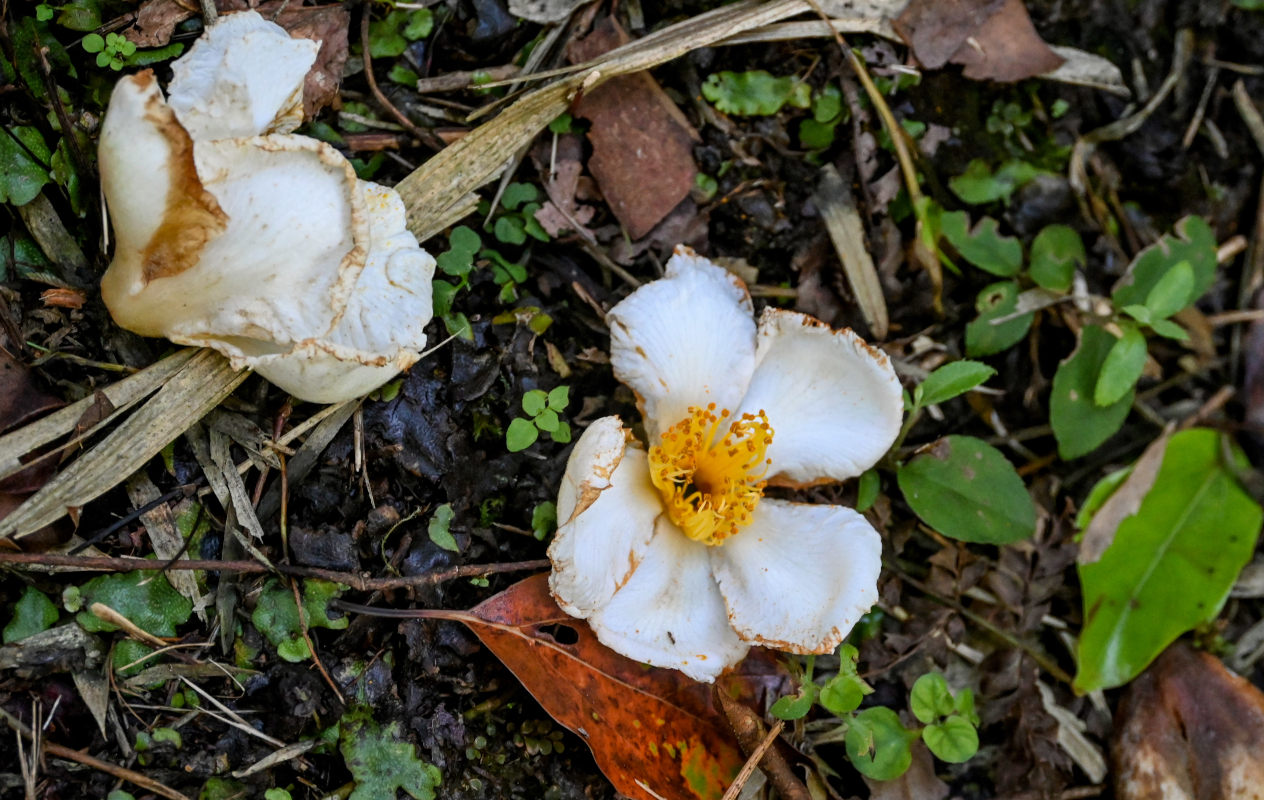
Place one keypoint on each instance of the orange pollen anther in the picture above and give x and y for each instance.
(710, 471)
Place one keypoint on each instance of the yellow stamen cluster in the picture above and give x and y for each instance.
(710, 471)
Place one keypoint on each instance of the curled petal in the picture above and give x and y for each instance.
(267, 248)
(799, 576)
(685, 340)
(833, 401)
(606, 507)
(244, 77)
(670, 612)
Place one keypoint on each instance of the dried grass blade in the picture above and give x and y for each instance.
(842, 220)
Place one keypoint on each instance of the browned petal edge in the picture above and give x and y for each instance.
(192, 216)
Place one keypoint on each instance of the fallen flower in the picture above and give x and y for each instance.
(235, 234)
(672, 554)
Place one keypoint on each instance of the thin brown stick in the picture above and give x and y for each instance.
(355, 580)
(748, 768)
(749, 731)
(311, 646)
(428, 138)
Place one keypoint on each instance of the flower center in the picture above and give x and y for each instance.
(710, 469)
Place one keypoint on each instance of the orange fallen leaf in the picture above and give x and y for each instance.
(653, 732)
(1189, 729)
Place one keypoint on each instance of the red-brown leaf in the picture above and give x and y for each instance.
(654, 732)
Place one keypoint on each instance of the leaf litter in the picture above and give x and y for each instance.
(364, 483)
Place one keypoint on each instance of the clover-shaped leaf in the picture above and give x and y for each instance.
(930, 698)
(954, 740)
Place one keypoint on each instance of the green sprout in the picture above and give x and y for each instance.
(112, 51)
(542, 415)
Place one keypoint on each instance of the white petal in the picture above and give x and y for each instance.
(243, 77)
(268, 249)
(606, 507)
(684, 340)
(799, 576)
(833, 401)
(670, 613)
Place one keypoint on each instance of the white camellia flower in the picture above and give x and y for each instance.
(235, 234)
(672, 554)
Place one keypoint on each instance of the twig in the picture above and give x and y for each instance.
(1041, 659)
(311, 646)
(750, 735)
(355, 580)
(122, 773)
(743, 776)
(428, 138)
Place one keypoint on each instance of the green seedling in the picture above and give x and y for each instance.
(755, 93)
(276, 615)
(112, 50)
(542, 409)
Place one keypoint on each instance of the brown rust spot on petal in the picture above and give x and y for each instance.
(193, 216)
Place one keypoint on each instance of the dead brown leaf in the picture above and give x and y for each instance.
(156, 21)
(654, 732)
(1189, 729)
(642, 144)
(561, 161)
(992, 40)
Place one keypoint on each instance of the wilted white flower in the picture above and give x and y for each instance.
(673, 554)
(235, 234)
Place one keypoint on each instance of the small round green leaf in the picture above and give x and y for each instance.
(878, 744)
(985, 335)
(1122, 367)
(563, 433)
(954, 740)
(930, 698)
(843, 693)
(964, 488)
(547, 420)
(521, 434)
(534, 401)
(33, 613)
(867, 489)
(1079, 424)
(559, 397)
(1055, 252)
(439, 528)
(795, 706)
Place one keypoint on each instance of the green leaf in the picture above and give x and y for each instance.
(1172, 292)
(878, 744)
(1169, 330)
(93, 43)
(843, 693)
(795, 706)
(276, 615)
(534, 401)
(1171, 564)
(562, 124)
(518, 193)
(144, 597)
(33, 613)
(563, 433)
(1139, 313)
(439, 526)
(465, 239)
(867, 489)
(953, 379)
(983, 246)
(754, 93)
(420, 23)
(510, 230)
(983, 338)
(1055, 253)
(521, 434)
(965, 706)
(978, 184)
(1122, 368)
(277, 794)
(1079, 424)
(381, 764)
(77, 15)
(559, 397)
(930, 698)
(1194, 244)
(24, 160)
(547, 420)
(814, 135)
(544, 519)
(954, 740)
(964, 488)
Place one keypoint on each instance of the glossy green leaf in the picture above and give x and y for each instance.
(953, 379)
(795, 706)
(1079, 424)
(930, 698)
(1194, 244)
(1055, 253)
(982, 245)
(33, 613)
(1122, 367)
(24, 161)
(984, 336)
(144, 597)
(1171, 565)
(954, 740)
(964, 488)
(878, 743)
